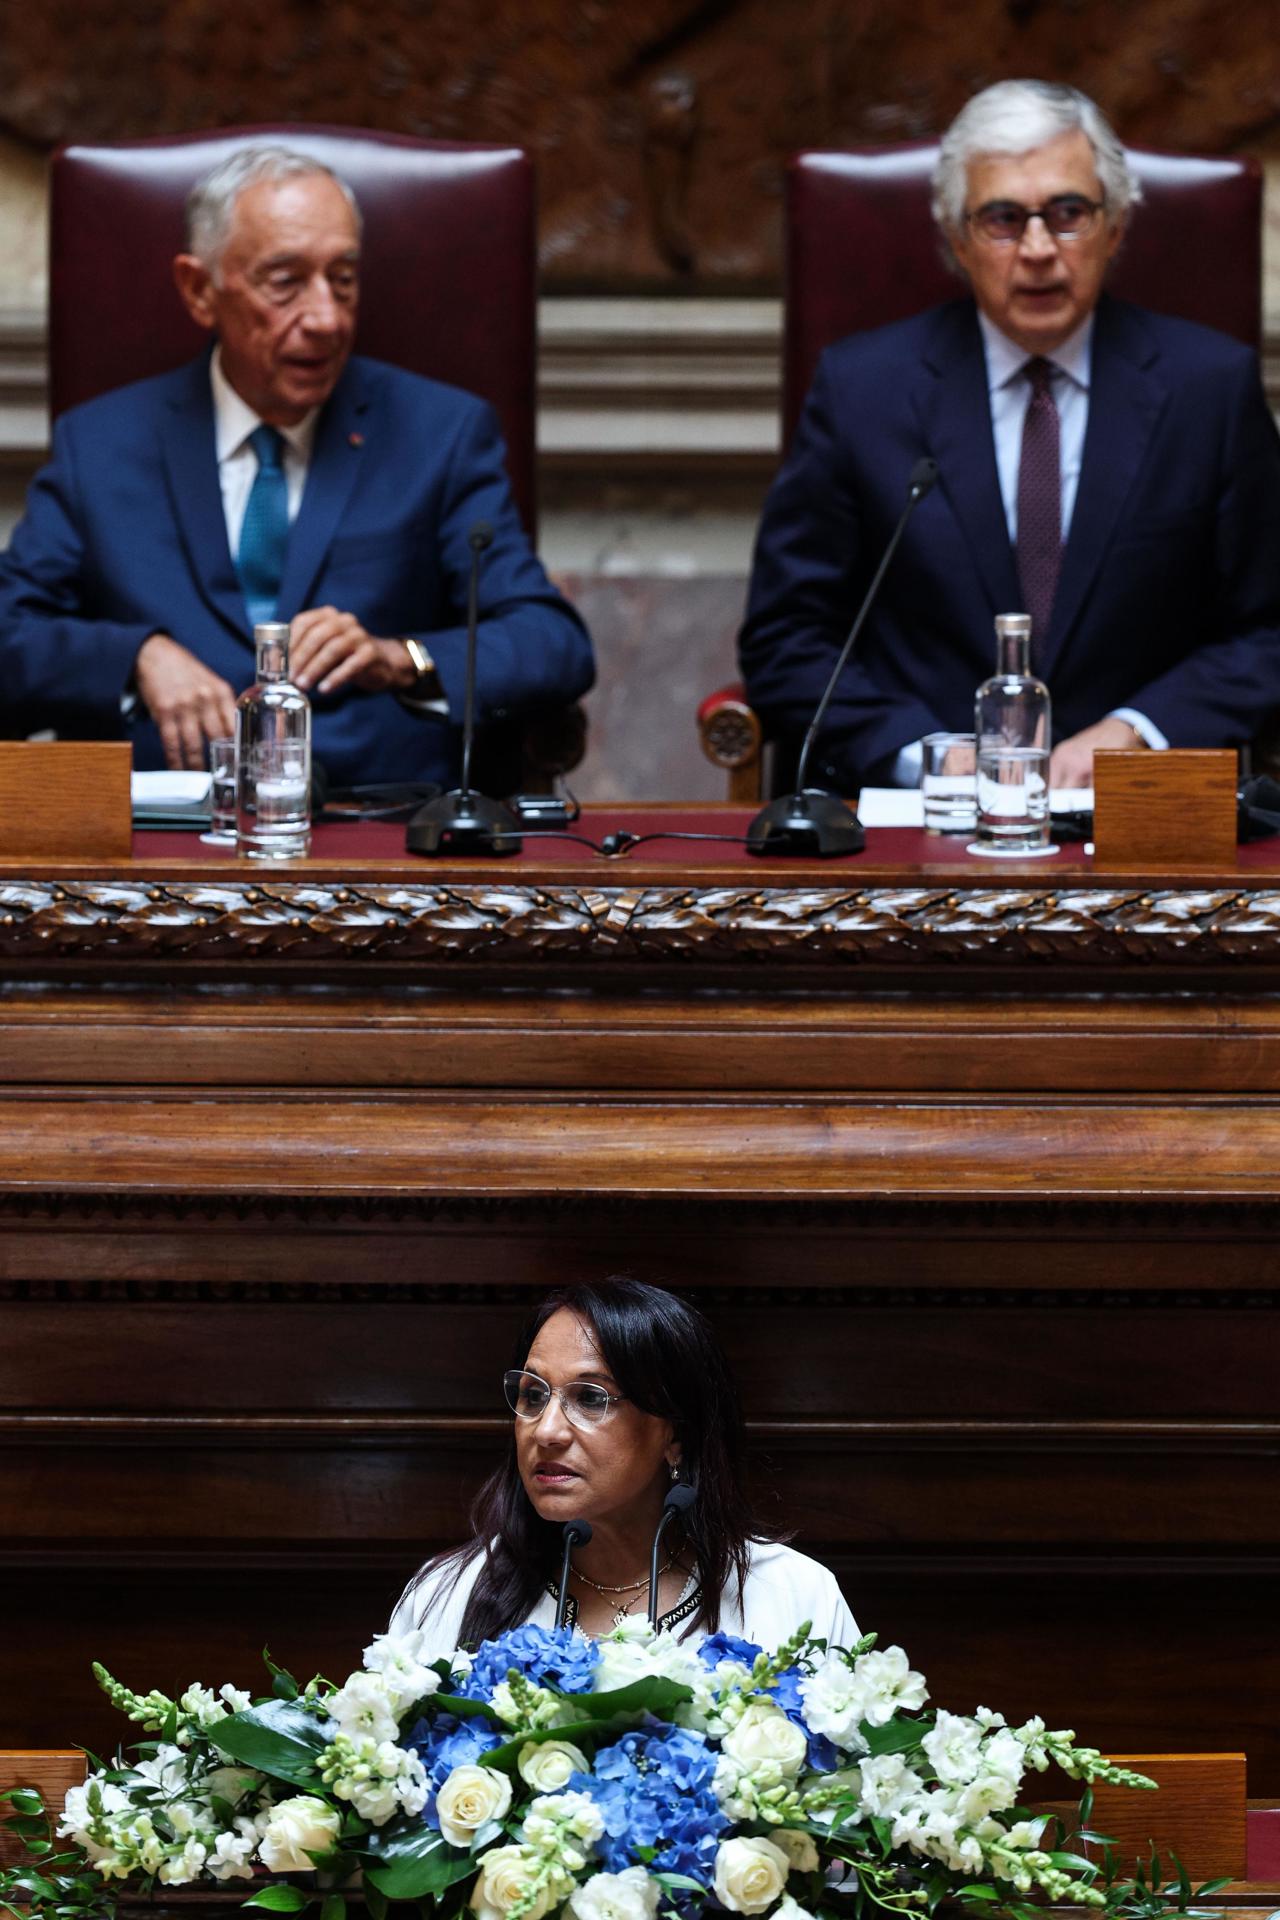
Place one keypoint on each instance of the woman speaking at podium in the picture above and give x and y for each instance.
(619, 1394)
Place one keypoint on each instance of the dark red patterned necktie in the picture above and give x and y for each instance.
(1039, 504)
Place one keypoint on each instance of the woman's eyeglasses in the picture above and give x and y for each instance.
(1068, 216)
(583, 1403)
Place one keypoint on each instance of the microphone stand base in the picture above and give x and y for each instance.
(805, 825)
(463, 822)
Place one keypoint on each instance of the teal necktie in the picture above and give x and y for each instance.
(264, 537)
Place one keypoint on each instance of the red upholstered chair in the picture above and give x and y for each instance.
(449, 285)
(448, 289)
(862, 251)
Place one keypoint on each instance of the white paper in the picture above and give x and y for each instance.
(162, 792)
(904, 806)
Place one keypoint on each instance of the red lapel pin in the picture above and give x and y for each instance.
(356, 439)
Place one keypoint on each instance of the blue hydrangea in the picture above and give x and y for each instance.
(653, 1788)
(445, 1743)
(726, 1646)
(823, 1757)
(564, 1660)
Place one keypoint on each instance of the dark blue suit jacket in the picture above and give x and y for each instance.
(1169, 594)
(124, 535)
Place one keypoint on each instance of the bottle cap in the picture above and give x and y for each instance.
(1013, 625)
(274, 632)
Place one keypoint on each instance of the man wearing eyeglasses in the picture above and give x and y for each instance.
(1113, 472)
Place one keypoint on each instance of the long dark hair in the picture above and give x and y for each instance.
(667, 1361)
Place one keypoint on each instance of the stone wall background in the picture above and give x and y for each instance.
(660, 135)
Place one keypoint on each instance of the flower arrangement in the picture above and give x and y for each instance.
(551, 1774)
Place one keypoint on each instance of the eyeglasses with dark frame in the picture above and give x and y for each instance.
(584, 1403)
(1068, 216)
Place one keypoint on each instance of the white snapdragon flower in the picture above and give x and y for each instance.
(1004, 1753)
(888, 1783)
(630, 1895)
(236, 1698)
(547, 1765)
(180, 1869)
(165, 1769)
(573, 1813)
(93, 1833)
(953, 1747)
(504, 1882)
(799, 1849)
(469, 1799)
(989, 1793)
(231, 1857)
(888, 1684)
(401, 1660)
(364, 1709)
(750, 1873)
(230, 1783)
(764, 1734)
(295, 1829)
(833, 1702)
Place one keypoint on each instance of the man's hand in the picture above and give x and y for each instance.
(329, 650)
(189, 703)
(1071, 762)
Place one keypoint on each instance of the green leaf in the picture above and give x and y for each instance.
(277, 1738)
(280, 1898)
(375, 1901)
(654, 1694)
(415, 1861)
(23, 1800)
(283, 1684)
(899, 1736)
(674, 1881)
(333, 1907)
(464, 1709)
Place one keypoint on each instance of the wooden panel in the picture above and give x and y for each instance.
(1198, 1812)
(51, 1772)
(61, 798)
(1179, 805)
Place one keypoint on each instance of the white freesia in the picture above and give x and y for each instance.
(749, 1874)
(364, 1708)
(764, 1733)
(503, 1882)
(887, 1685)
(547, 1765)
(469, 1799)
(401, 1659)
(294, 1830)
(953, 1747)
(799, 1849)
(832, 1700)
(629, 1895)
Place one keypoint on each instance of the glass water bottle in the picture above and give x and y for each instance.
(1012, 725)
(273, 755)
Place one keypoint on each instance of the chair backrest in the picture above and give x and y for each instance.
(449, 272)
(862, 248)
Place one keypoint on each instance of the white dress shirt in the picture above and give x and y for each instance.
(233, 421)
(1009, 395)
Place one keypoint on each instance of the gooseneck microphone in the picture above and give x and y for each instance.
(464, 821)
(576, 1534)
(810, 820)
(679, 1500)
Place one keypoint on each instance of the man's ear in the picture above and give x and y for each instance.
(195, 288)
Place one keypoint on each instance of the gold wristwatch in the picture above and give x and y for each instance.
(427, 686)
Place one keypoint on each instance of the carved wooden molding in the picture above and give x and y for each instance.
(98, 923)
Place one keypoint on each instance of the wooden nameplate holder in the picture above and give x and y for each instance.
(65, 799)
(1176, 808)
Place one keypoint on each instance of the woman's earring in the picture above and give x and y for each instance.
(674, 1466)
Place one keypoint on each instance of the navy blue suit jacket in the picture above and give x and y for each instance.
(1169, 595)
(124, 536)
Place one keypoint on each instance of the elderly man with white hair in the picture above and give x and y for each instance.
(278, 477)
(1112, 471)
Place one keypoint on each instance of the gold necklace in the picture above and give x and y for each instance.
(630, 1586)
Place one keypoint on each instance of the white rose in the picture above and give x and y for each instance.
(629, 1895)
(765, 1733)
(546, 1765)
(468, 1800)
(799, 1849)
(294, 1830)
(503, 1880)
(789, 1909)
(749, 1875)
